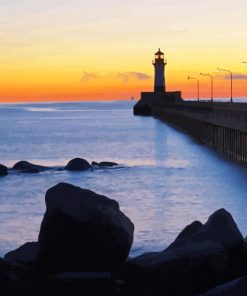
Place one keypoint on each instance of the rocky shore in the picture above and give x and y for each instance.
(84, 243)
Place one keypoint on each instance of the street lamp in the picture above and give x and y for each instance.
(211, 77)
(198, 86)
(218, 69)
(243, 63)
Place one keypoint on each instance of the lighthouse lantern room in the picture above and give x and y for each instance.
(159, 72)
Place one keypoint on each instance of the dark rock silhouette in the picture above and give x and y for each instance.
(85, 283)
(197, 260)
(14, 278)
(82, 231)
(85, 239)
(27, 167)
(186, 233)
(104, 163)
(78, 164)
(237, 287)
(26, 254)
(3, 170)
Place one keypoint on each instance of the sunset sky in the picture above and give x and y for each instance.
(100, 49)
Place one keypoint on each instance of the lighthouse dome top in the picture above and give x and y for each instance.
(159, 52)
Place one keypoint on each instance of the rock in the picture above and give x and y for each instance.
(82, 231)
(186, 233)
(14, 278)
(78, 164)
(70, 276)
(219, 232)
(104, 164)
(84, 283)
(25, 254)
(27, 167)
(220, 229)
(3, 170)
(31, 171)
(237, 287)
(198, 258)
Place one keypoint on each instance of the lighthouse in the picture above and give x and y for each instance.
(159, 72)
(150, 102)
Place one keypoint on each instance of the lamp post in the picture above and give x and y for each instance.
(211, 78)
(198, 86)
(218, 69)
(243, 63)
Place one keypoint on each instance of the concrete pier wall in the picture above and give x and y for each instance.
(223, 128)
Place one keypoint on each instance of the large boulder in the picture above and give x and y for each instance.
(198, 258)
(82, 231)
(26, 254)
(217, 234)
(78, 164)
(3, 170)
(27, 167)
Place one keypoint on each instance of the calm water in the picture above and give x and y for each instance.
(166, 180)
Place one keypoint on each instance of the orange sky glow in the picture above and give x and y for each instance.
(102, 50)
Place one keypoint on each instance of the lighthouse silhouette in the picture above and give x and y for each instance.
(159, 64)
(160, 97)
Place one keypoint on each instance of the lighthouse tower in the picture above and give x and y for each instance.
(159, 72)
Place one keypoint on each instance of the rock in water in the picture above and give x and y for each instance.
(3, 170)
(78, 164)
(82, 231)
(27, 167)
(107, 163)
(104, 164)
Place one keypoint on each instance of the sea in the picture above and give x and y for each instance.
(165, 179)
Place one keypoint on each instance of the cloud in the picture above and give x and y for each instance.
(126, 76)
(237, 76)
(89, 76)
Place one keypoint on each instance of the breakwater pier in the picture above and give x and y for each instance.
(222, 126)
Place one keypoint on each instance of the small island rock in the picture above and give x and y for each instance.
(78, 164)
(27, 167)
